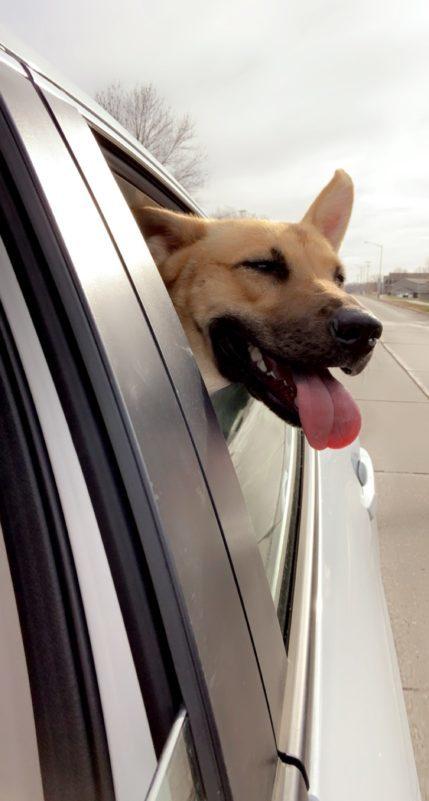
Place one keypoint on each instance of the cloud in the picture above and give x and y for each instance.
(282, 93)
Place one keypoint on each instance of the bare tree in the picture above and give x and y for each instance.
(171, 139)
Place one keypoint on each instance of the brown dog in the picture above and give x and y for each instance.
(262, 303)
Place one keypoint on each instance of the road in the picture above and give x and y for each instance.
(393, 395)
(406, 336)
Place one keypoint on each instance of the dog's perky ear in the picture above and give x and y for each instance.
(166, 231)
(330, 212)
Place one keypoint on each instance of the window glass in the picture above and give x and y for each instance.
(177, 777)
(263, 450)
(133, 196)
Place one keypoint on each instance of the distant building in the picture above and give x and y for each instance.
(399, 275)
(413, 287)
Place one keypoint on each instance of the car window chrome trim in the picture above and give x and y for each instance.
(236, 751)
(112, 131)
(11, 61)
(130, 744)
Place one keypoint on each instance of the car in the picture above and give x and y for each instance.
(191, 599)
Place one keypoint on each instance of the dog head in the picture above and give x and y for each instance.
(263, 302)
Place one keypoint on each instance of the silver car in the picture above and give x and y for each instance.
(191, 602)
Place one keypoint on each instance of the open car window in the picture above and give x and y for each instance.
(264, 452)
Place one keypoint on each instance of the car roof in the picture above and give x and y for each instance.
(37, 64)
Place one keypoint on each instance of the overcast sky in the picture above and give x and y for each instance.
(282, 92)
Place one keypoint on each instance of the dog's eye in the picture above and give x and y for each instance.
(339, 278)
(263, 266)
(276, 267)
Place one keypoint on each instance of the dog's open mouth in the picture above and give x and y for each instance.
(312, 399)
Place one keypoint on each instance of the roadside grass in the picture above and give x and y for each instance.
(413, 305)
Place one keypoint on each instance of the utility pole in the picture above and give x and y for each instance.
(367, 265)
(380, 267)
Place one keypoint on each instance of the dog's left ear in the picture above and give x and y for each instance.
(167, 231)
(330, 212)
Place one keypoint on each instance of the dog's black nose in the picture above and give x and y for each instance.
(355, 329)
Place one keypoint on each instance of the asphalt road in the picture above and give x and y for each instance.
(406, 336)
(393, 395)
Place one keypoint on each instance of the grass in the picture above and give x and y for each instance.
(414, 305)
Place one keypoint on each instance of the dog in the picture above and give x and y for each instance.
(263, 303)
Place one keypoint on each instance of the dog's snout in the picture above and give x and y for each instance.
(355, 329)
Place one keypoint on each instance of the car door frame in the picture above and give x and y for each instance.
(237, 753)
(285, 676)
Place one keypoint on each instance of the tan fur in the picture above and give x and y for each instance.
(199, 260)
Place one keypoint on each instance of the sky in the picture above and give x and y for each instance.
(282, 93)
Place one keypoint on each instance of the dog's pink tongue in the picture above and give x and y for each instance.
(316, 409)
(347, 419)
(328, 413)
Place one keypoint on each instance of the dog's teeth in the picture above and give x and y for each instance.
(255, 353)
(262, 366)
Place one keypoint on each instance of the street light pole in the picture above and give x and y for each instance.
(380, 269)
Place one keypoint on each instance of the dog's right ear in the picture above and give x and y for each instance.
(167, 231)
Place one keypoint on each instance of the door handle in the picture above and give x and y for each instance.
(366, 477)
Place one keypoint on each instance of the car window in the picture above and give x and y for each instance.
(264, 452)
(133, 196)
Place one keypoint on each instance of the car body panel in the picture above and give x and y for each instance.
(359, 741)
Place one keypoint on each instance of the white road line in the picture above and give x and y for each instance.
(406, 369)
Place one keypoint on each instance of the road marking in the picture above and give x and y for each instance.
(406, 369)
(402, 473)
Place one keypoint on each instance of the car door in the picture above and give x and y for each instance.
(268, 635)
(126, 424)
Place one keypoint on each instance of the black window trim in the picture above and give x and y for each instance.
(150, 185)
